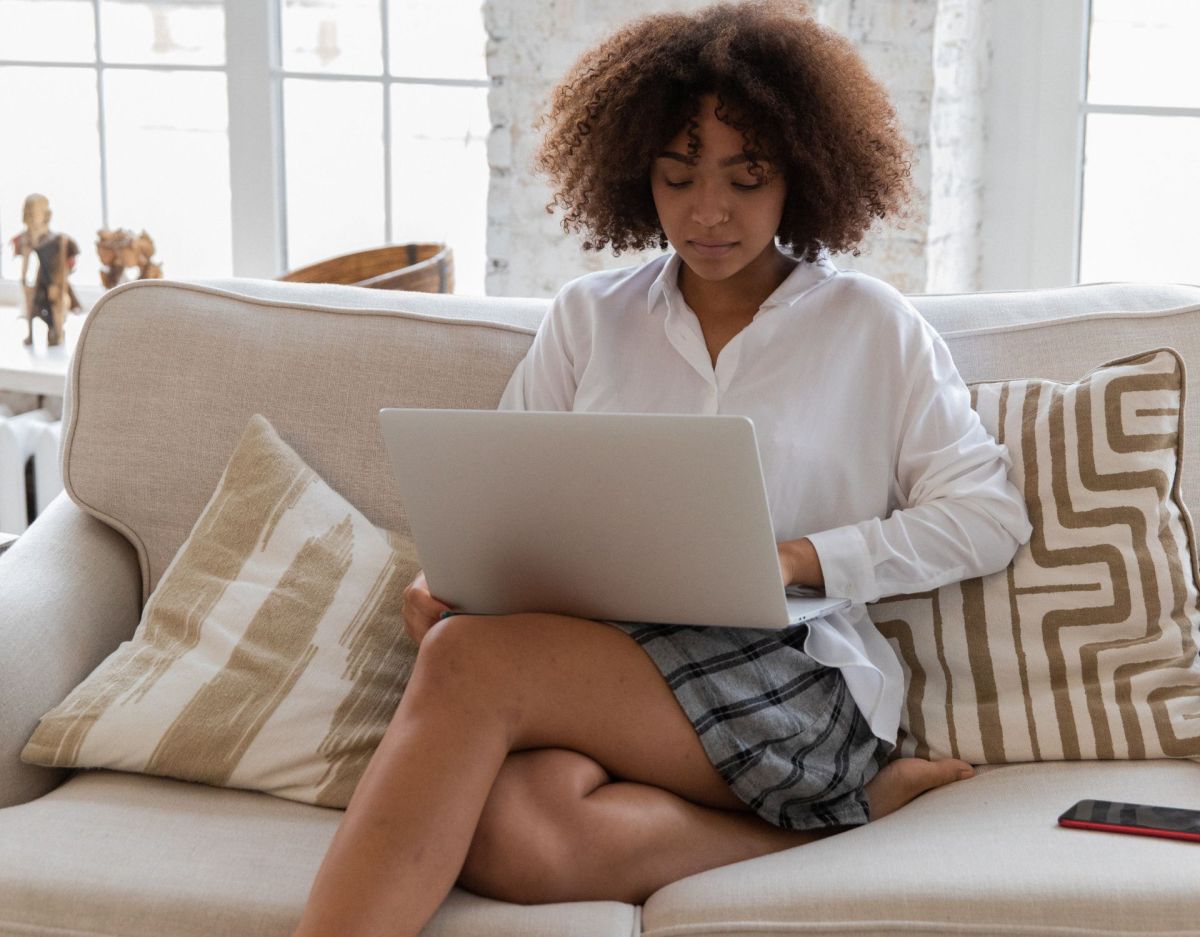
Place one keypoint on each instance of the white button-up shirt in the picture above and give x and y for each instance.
(868, 442)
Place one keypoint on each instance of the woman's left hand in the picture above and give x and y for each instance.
(799, 563)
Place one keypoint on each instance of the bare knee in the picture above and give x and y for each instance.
(526, 845)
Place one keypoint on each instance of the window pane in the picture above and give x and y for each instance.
(47, 30)
(183, 32)
(1139, 208)
(332, 36)
(1144, 52)
(440, 173)
(168, 166)
(437, 39)
(56, 154)
(333, 141)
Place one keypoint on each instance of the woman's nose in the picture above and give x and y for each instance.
(709, 207)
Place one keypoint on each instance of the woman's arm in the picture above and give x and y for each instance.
(961, 516)
(545, 378)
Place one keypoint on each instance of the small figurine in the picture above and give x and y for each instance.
(50, 296)
(121, 249)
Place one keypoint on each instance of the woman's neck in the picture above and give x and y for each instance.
(740, 294)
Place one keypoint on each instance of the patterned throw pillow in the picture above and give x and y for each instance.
(272, 654)
(1085, 646)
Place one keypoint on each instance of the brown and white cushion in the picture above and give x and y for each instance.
(272, 654)
(1085, 646)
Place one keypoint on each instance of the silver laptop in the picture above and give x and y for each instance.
(658, 518)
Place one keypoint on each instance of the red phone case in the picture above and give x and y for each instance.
(1137, 830)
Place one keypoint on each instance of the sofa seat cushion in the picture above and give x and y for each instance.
(981, 856)
(110, 853)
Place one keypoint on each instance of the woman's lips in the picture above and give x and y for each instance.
(712, 250)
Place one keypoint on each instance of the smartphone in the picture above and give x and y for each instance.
(1142, 819)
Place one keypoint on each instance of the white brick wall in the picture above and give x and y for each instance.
(931, 54)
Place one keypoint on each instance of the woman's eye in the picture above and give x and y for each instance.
(737, 185)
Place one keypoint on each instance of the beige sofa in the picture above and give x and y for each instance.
(166, 376)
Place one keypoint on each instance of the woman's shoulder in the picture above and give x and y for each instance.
(617, 287)
(861, 294)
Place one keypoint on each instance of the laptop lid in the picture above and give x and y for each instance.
(630, 517)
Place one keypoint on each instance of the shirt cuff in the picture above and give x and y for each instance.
(846, 564)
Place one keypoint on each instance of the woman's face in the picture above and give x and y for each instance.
(717, 216)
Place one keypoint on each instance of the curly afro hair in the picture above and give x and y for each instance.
(799, 92)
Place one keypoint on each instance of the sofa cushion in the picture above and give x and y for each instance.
(272, 654)
(110, 853)
(983, 856)
(1085, 645)
(165, 376)
(1060, 334)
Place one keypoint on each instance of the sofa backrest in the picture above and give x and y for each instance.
(166, 375)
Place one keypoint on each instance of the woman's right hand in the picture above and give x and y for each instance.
(421, 610)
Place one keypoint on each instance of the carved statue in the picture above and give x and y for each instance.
(121, 249)
(50, 296)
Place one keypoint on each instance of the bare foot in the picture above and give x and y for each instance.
(906, 778)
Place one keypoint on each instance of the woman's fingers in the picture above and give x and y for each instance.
(421, 610)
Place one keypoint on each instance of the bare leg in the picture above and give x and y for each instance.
(621, 841)
(409, 823)
(481, 689)
(627, 839)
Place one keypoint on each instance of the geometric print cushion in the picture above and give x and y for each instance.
(1085, 646)
(271, 656)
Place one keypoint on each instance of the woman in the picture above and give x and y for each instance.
(538, 758)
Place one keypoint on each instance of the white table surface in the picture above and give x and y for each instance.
(36, 368)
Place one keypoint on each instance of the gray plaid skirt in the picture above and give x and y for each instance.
(780, 728)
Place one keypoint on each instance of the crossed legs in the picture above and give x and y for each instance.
(561, 707)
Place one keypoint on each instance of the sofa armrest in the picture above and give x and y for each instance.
(7, 540)
(70, 593)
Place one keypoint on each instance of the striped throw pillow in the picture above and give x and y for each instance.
(272, 654)
(1085, 646)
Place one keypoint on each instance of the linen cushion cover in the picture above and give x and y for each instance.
(272, 654)
(1084, 647)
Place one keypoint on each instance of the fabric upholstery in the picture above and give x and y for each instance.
(1085, 646)
(143, 453)
(110, 853)
(68, 596)
(272, 654)
(983, 856)
(123, 854)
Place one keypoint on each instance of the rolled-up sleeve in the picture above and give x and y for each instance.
(545, 378)
(961, 517)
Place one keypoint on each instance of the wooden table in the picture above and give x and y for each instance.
(37, 368)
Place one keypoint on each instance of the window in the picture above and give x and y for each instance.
(386, 122)
(247, 136)
(1141, 154)
(116, 111)
(1093, 143)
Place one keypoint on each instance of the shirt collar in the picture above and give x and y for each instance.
(667, 279)
(803, 277)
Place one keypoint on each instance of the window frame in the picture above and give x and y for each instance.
(254, 77)
(1033, 177)
(1037, 133)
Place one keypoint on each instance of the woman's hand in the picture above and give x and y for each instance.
(421, 610)
(799, 563)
